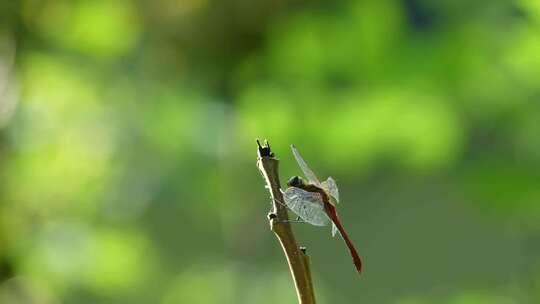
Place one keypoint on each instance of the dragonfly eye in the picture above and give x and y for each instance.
(294, 181)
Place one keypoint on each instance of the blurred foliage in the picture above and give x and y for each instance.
(127, 148)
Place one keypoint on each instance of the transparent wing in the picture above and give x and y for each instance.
(330, 187)
(312, 178)
(307, 205)
(334, 230)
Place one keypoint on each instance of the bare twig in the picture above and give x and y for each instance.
(278, 219)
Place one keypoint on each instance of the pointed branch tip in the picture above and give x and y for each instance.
(264, 150)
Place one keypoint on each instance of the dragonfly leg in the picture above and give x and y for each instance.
(297, 220)
(281, 203)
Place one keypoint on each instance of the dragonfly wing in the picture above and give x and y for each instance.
(307, 171)
(330, 187)
(334, 230)
(307, 205)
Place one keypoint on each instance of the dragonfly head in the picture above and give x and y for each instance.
(296, 181)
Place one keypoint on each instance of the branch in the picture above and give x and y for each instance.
(278, 219)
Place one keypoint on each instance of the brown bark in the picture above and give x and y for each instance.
(296, 257)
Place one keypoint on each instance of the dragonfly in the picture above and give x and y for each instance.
(315, 203)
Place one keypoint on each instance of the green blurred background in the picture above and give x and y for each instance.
(127, 152)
